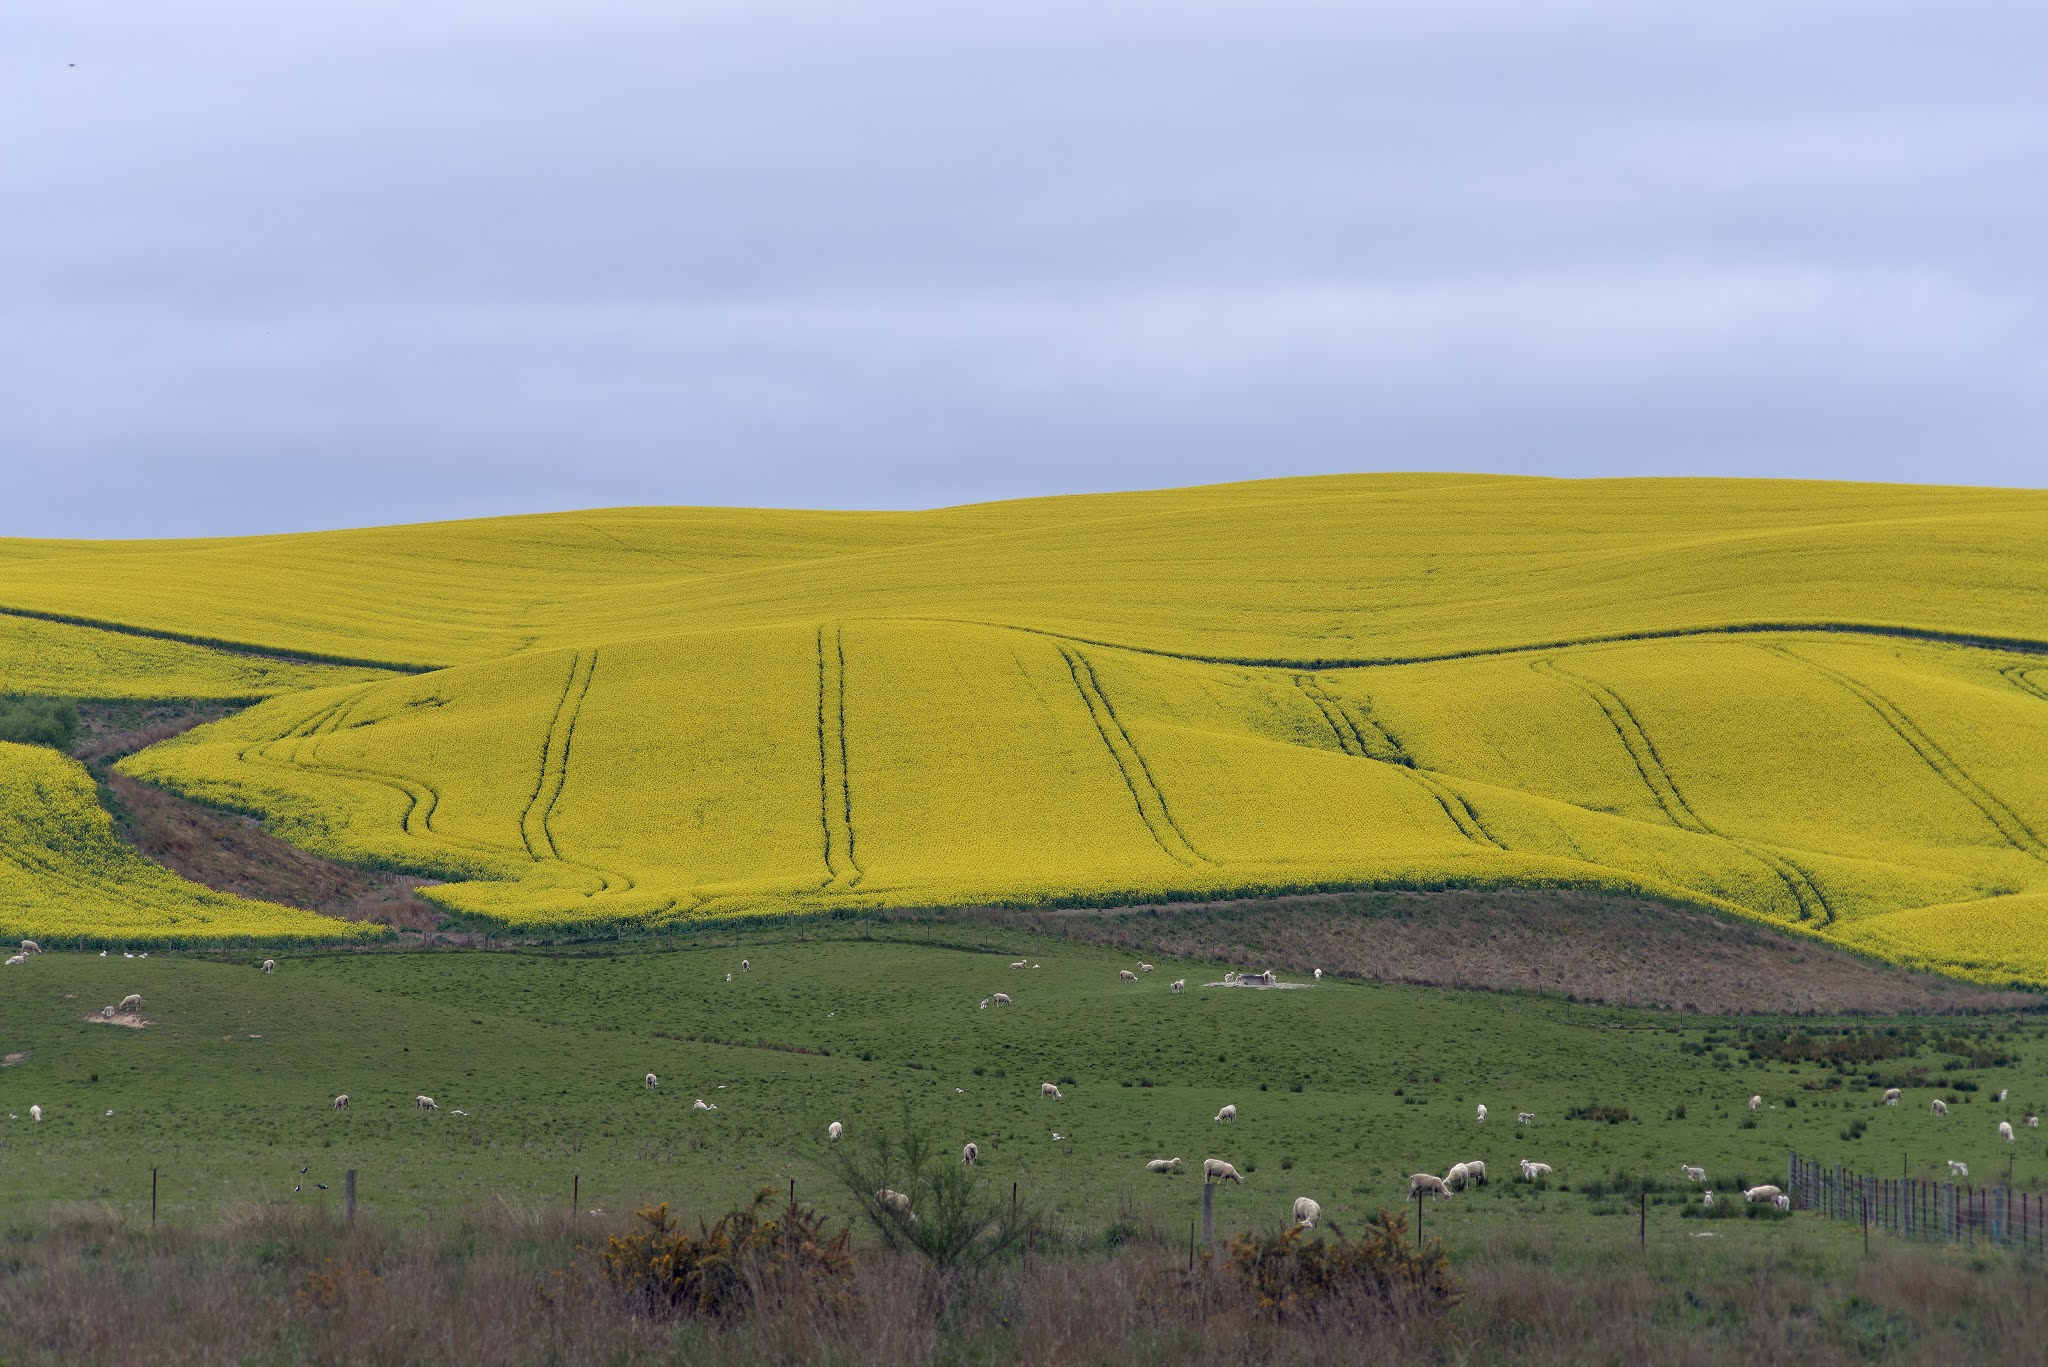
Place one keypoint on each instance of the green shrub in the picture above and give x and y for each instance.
(38, 721)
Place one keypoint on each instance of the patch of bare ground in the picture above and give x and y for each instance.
(226, 851)
(128, 1019)
(1588, 946)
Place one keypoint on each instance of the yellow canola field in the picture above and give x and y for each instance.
(66, 878)
(655, 714)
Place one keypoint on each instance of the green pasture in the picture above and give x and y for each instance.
(1342, 1089)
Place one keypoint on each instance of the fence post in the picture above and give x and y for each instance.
(575, 1194)
(1208, 1214)
(1643, 1218)
(152, 1198)
(348, 1194)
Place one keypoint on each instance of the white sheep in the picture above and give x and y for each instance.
(833, 1131)
(1763, 1193)
(1482, 1113)
(703, 1105)
(984, 1004)
(1307, 1212)
(1230, 979)
(1476, 1170)
(1783, 1202)
(1693, 1174)
(1525, 1117)
(1459, 1176)
(341, 1102)
(1435, 1186)
(106, 1013)
(35, 1113)
(2005, 1130)
(2003, 1093)
(2033, 1122)
(270, 965)
(1956, 1169)
(1180, 985)
(31, 947)
(746, 967)
(896, 1203)
(1227, 1113)
(1319, 975)
(1216, 1170)
(1018, 964)
(1532, 1171)
(14, 959)
(1265, 979)
(1147, 968)
(1125, 975)
(1048, 1089)
(132, 1002)
(971, 1154)
(652, 1082)
(425, 1103)
(1708, 1200)
(1001, 999)
(1940, 1106)
(1891, 1096)
(1755, 1102)
(1163, 1165)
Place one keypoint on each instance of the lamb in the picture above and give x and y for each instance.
(896, 1203)
(1525, 1117)
(1018, 964)
(1319, 975)
(703, 1105)
(341, 1102)
(652, 1082)
(984, 1004)
(1940, 1106)
(1163, 1165)
(1708, 1200)
(270, 965)
(1482, 1113)
(425, 1103)
(132, 1002)
(14, 959)
(2033, 1122)
(1436, 1186)
(2005, 1130)
(1125, 975)
(2003, 1092)
(1227, 1113)
(1891, 1096)
(1755, 1102)
(1147, 968)
(1783, 1202)
(1693, 1174)
(1956, 1169)
(1216, 1170)
(1532, 1171)
(1230, 979)
(746, 967)
(1048, 1089)
(106, 1013)
(1180, 985)
(971, 1154)
(1307, 1212)
(35, 1113)
(1763, 1193)
(1001, 999)
(833, 1131)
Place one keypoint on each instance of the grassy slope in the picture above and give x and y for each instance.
(658, 713)
(229, 1090)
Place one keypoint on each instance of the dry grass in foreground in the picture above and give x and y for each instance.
(511, 1287)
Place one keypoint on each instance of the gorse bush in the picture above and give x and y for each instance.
(1296, 1274)
(724, 1272)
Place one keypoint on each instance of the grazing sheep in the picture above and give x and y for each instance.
(2005, 1130)
(746, 967)
(1216, 1170)
(2033, 1122)
(1307, 1212)
(1319, 975)
(2003, 1093)
(1435, 1186)
(106, 1013)
(132, 1002)
(1763, 1193)
(1525, 1117)
(1956, 1169)
(425, 1103)
(1018, 964)
(1048, 1089)
(1227, 1113)
(896, 1203)
(1693, 1174)
(1755, 1102)
(971, 1154)
(1891, 1096)
(1163, 1165)
(1482, 1113)
(652, 1082)
(703, 1105)
(1455, 1178)
(1783, 1202)
(31, 947)
(1147, 968)
(35, 1113)
(270, 965)
(1476, 1171)
(1532, 1171)
(1125, 975)
(833, 1131)
(1708, 1200)
(341, 1102)
(1180, 985)
(1001, 999)
(1940, 1106)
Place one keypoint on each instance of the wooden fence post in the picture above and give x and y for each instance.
(575, 1194)
(152, 1198)
(348, 1195)
(1208, 1214)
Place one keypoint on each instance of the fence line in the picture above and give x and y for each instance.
(1946, 1212)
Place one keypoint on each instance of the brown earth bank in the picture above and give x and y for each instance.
(223, 850)
(1588, 946)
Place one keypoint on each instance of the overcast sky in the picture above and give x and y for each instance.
(269, 266)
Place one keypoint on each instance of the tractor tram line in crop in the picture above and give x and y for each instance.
(1137, 775)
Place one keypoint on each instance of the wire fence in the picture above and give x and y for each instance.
(1944, 1212)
